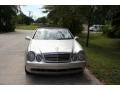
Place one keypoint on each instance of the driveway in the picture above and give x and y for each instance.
(12, 49)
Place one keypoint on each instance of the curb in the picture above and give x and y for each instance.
(91, 77)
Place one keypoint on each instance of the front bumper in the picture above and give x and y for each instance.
(55, 68)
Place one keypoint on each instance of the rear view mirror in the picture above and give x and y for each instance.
(28, 38)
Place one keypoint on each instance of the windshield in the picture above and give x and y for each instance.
(53, 34)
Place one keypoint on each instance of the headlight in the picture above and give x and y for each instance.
(38, 57)
(31, 56)
(80, 56)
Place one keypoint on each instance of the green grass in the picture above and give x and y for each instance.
(26, 27)
(103, 55)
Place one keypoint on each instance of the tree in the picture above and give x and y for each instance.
(23, 19)
(42, 20)
(96, 15)
(114, 32)
(111, 21)
(7, 15)
(89, 23)
(73, 17)
(66, 16)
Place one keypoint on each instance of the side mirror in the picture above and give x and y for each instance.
(76, 37)
(28, 38)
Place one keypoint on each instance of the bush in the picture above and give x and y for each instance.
(9, 25)
(106, 29)
(109, 30)
(116, 32)
(7, 18)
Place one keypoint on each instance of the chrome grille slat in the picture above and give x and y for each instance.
(57, 57)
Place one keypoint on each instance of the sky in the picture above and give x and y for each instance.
(36, 11)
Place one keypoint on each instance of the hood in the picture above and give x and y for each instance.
(46, 46)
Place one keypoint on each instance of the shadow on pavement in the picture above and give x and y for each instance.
(71, 79)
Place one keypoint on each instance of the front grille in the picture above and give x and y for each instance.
(57, 57)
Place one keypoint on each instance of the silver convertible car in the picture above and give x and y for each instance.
(54, 51)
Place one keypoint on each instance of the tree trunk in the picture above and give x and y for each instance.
(89, 23)
(88, 34)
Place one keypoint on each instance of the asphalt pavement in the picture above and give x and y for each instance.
(12, 62)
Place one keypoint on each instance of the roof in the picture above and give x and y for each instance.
(51, 28)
